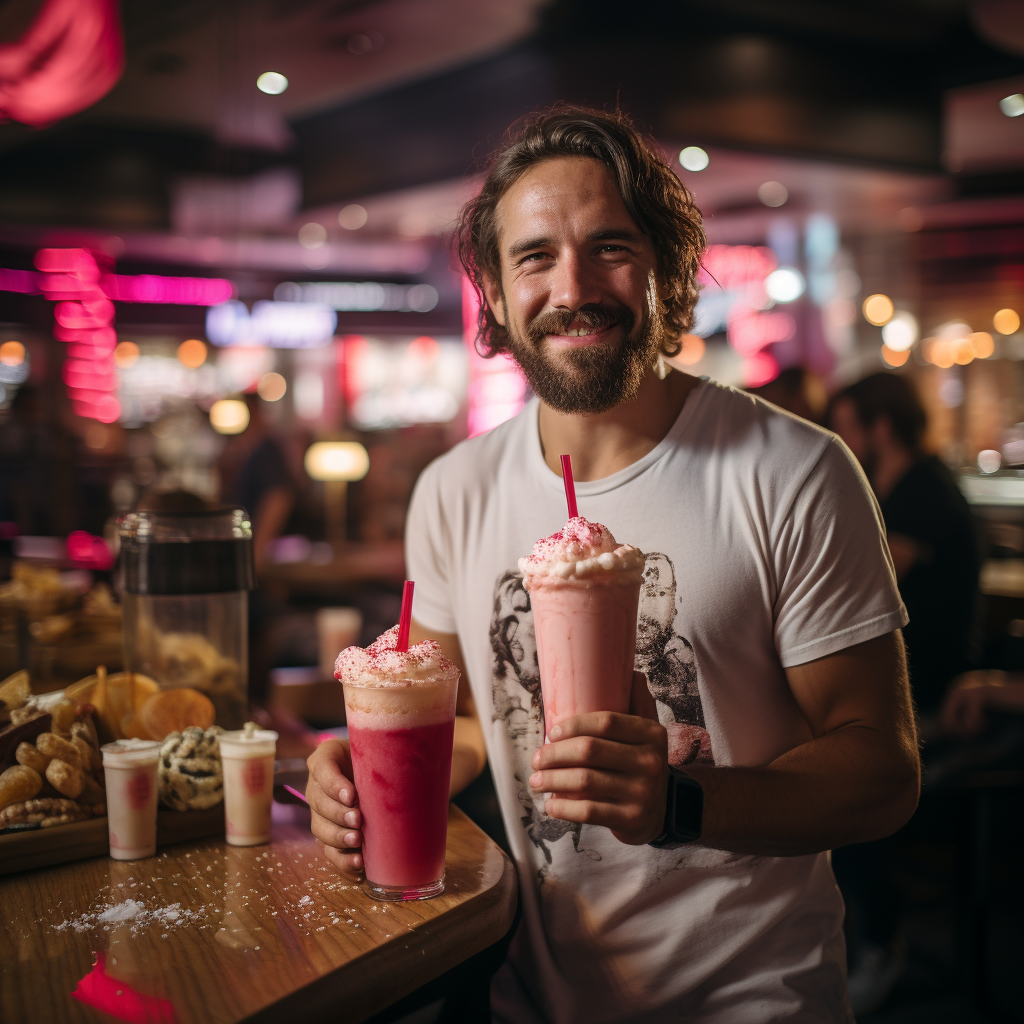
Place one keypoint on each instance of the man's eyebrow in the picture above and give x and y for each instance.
(604, 235)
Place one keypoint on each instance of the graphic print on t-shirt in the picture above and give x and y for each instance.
(662, 654)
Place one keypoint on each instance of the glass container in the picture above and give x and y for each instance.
(186, 578)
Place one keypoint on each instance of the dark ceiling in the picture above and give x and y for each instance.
(858, 81)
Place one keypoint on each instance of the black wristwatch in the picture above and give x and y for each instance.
(684, 810)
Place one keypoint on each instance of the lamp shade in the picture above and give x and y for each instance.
(337, 460)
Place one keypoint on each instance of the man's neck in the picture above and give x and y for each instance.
(892, 465)
(601, 444)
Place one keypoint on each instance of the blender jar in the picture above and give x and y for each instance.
(186, 578)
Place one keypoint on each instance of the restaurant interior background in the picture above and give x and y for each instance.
(223, 221)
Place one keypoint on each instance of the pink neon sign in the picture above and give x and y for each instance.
(84, 319)
(68, 284)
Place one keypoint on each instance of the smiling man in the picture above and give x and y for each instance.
(778, 639)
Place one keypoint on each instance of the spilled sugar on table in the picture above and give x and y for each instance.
(205, 933)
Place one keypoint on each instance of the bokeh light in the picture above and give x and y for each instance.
(229, 416)
(785, 284)
(1012, 105)
(878, 309)
(773, 193)
(693, 158)
(192, 353)
(272, 387)
(900, 333)
(894, 357)
(692, 351)
(352, 217)
(126, 354)
(989, 460)
(12, 353)
(273, 83)
(312, 235)
(982, 343)
(1006, 321)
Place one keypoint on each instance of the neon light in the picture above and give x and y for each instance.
(278, 324)
(83, 316)
(173, 291)
(23, 281)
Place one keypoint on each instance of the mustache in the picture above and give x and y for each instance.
(597, 317)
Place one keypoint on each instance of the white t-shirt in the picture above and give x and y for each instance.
(764, 549)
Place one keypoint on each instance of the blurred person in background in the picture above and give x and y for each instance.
(262, 481)
(937, 561)
(931, 533)
(976, 696)
(797, 390)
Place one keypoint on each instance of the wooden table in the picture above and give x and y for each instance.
(218, 933)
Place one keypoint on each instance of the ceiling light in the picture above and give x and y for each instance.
(693, 158)
(337, 460)
(12, 353)
(894, 357)
(352, 217)
(312, 235)
(1012, 106)
(192, 353)
(900, 332)
(229, 416)
(785, 284)
(773, 193)
(271, 387)
(878, 309)
(1006, 321)
(272, 83)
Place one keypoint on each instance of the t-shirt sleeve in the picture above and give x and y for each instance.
(427, 559)
(835, 581)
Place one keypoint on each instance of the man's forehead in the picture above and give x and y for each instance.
(558, 189)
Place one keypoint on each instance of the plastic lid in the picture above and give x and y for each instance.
(196, 552)
(247, 742)
(131, 752)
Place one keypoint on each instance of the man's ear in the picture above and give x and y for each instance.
(492, 296)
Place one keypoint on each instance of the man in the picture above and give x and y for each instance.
(930, 529)
(585, 246)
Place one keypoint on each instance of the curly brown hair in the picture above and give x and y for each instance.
(660, 204)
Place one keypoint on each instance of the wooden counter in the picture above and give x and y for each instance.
(217, 933)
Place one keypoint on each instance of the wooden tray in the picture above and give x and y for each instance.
(42, 847)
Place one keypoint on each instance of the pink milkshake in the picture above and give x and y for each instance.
(400, 707)
(584, 590)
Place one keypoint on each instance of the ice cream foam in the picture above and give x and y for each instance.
(129, 752)
(580, 550)
(418, 684)
(383, 665)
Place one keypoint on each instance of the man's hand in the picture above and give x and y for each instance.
(606, 769)
(333, 802)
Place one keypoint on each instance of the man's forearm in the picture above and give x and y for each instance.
(468, 754)
(848, 786)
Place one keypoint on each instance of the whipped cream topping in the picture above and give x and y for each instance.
(382, 664)
(581, 549)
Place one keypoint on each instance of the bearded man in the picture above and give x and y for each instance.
(702, 895)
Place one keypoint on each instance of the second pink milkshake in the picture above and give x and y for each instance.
(584, 591)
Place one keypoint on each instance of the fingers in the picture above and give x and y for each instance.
(330, 766)
(348, 863)
(628, 823)
(586, 784)
(608, 725)
(608, 755)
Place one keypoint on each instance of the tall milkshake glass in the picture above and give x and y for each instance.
(584, 591)
(400, 706)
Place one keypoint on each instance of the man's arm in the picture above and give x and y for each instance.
(335, 817)
(855, 780)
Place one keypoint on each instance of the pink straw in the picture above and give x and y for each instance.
(405, 619)
(295, 792)
(570, 489)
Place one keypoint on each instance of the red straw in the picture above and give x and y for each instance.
(570, 489)
(405, 618)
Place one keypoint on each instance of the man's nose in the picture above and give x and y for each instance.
(574, 283)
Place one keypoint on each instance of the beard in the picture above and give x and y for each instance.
(594, 378)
